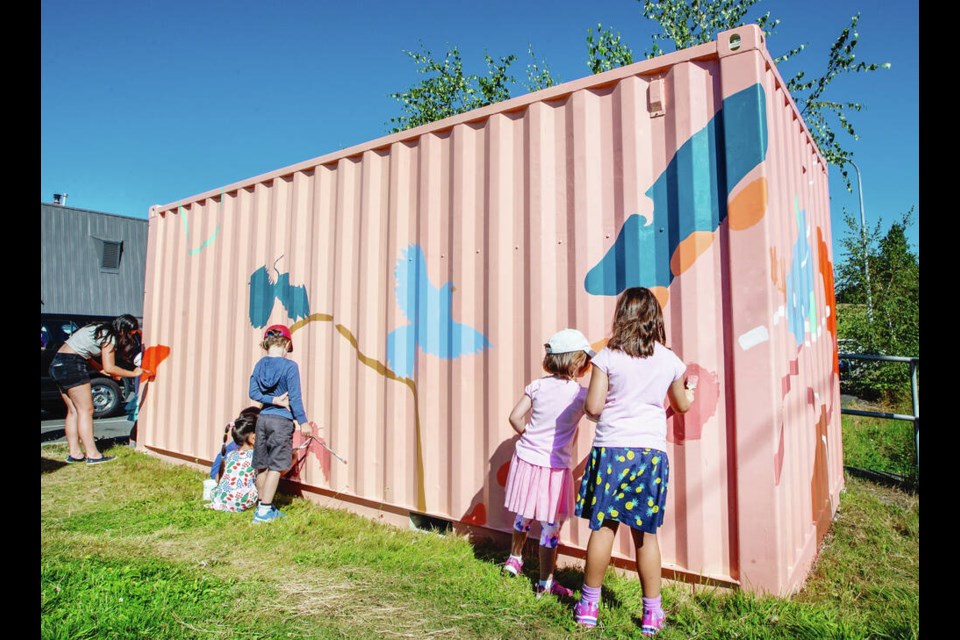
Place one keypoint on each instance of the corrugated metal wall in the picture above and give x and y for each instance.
(422, 272)
(71, 280)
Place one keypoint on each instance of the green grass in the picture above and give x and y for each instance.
(127, 551)
(879, 445)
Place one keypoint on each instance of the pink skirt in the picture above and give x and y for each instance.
(539, 493)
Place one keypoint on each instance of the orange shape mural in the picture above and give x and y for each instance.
(688, 251)
(747, 207)
(152, 357)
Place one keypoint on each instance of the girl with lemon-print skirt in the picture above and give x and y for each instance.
(625, 484)
(625, 481)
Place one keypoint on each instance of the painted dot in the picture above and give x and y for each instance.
(657, 481)
(600, 517)
(630, 455)
(656, 508)
(628, 506)
(614, 513)
(609, 469)
(649, 502)
(607, 487)
(620, 496)
(594, 501)
(621, 459)
(598, 479)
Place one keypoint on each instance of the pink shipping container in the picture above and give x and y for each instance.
(422, 272)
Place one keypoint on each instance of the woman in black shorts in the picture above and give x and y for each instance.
(70, 371)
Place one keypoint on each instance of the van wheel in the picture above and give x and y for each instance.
(106, 397)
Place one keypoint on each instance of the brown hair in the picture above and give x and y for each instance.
(568, 365)
(271, 341)
(637, 323)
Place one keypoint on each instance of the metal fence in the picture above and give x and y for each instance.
(915, 418)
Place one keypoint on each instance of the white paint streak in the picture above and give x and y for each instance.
(779, 315)
(753, 337)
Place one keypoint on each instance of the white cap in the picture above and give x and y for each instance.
(568, 341)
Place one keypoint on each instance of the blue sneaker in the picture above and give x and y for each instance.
(100, 460)
(269, 516)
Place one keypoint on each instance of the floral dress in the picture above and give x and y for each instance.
(237, 490)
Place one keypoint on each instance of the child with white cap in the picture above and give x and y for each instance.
(540, 485)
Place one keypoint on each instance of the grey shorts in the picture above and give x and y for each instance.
(274, 444)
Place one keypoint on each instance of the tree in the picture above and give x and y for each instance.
(686, 23)
(891, 323)
(608, 51)
(447, 90)
(538, 73)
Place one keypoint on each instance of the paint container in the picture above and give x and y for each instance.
(208, 486)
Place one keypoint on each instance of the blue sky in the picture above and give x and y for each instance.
(150, 102)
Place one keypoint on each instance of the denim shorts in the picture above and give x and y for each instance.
(69, 370)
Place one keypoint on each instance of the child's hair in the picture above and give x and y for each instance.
(271, 341)
(637, 323)
(240, 429)
(569, 365)
(124, 330)
(243, 426)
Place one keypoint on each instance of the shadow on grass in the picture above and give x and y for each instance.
(107, 443)
(56, 434)
(896, 481)
(488, 549)
(48, 465)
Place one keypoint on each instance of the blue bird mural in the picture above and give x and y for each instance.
(264, 294)
(429, 311)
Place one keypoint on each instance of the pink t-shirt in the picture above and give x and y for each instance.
(557, 410)
(634, 415)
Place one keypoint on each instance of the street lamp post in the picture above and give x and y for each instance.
(863, 232)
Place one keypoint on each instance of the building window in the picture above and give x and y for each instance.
(109, 254)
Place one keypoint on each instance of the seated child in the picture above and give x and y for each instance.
(237, 490)
(229, 446)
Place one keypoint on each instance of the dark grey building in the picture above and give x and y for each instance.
(91, 263)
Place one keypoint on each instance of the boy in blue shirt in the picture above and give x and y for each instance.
(275, 382)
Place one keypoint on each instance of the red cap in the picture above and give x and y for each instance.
(279, 330)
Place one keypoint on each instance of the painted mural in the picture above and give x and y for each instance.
(432, 328)
(264, 294)
(186, 230)
(689, 200)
